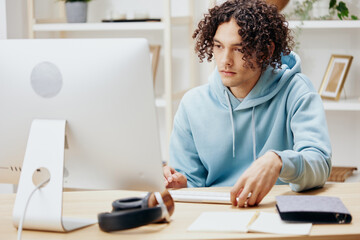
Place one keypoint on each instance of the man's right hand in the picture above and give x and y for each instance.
(174, 179)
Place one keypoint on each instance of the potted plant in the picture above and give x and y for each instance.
(76, 10)
(341, 10)
(303, 10)
(279, 3)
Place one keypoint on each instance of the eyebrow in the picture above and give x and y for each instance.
(236, 44)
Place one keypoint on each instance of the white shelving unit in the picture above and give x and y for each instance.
(130, 26)
(352, 104)
(318, 40)
(343, 105)
(163, 27)
(325, 24)
(3, 26)
(133, 26)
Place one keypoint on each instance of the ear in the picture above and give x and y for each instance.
(271, 49)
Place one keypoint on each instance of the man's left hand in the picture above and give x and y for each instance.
(258, 180)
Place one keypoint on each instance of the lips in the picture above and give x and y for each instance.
(227, 73)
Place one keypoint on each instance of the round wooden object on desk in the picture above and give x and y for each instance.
(168, 201)
(279, 3)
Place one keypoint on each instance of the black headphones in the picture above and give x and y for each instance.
(133, 212)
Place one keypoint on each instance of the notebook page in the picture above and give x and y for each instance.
(222, 222)
(272, 223)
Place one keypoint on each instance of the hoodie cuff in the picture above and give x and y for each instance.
(288, 170)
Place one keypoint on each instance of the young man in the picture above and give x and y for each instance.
(259, 121)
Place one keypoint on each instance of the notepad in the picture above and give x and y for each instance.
(247, 221)
(313, 209)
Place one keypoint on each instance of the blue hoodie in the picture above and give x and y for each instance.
(216, 137)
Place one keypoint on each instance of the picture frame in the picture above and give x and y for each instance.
(335, 76)
(154, 57)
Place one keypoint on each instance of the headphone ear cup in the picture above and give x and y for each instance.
(121, 220)
(127, 204)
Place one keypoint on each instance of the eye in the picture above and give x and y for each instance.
(238, 50)
(217, 46)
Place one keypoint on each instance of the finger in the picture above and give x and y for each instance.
(177, 176)
(166, 182)
(243, 197)
(253, 198)
(260, 197)
(172, 170)
(234, 193)
(167, 173)
(180, 179)
(262, 194)
(236, 190)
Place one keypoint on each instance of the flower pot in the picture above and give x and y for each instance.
(279, 3)
(76, 12)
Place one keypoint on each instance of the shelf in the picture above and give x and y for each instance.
(133, 26)
(342, 105)
(109, 26)
(325, 24)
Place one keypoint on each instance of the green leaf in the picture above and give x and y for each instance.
(332, 3)
(343, 9)
(339, 15)
(353, 17)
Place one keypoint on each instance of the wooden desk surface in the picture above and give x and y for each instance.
(88, 204)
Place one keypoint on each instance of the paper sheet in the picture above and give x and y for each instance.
(238, 222)
(272, 223)
(222, 222)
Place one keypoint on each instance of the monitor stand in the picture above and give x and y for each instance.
(44, 151)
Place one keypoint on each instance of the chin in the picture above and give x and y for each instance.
(228, 82)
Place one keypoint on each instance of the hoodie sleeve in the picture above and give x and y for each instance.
(184, 157)
(308, 165)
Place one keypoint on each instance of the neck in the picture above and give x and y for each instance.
(243, 91)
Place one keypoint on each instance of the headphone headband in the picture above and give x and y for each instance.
(135, 212)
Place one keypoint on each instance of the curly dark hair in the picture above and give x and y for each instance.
(260, 26)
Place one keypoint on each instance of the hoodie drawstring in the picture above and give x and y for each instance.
(232, 121)
(253, 132)
(233, 128)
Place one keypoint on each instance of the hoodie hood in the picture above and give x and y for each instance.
(270, 83)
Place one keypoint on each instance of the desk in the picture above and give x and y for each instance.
(89, 203)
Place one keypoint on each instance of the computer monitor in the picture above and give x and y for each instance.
(103, 89)
(81, 111)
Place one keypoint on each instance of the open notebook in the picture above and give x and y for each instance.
(247, 221)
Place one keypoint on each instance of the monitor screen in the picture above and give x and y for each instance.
(103, 89)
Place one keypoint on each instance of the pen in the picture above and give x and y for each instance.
(254, 217)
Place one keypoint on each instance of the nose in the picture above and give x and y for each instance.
(227, 59)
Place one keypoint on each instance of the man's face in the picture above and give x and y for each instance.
(229, 60)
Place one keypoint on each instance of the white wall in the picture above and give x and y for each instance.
(315, 51)
(3, 25)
